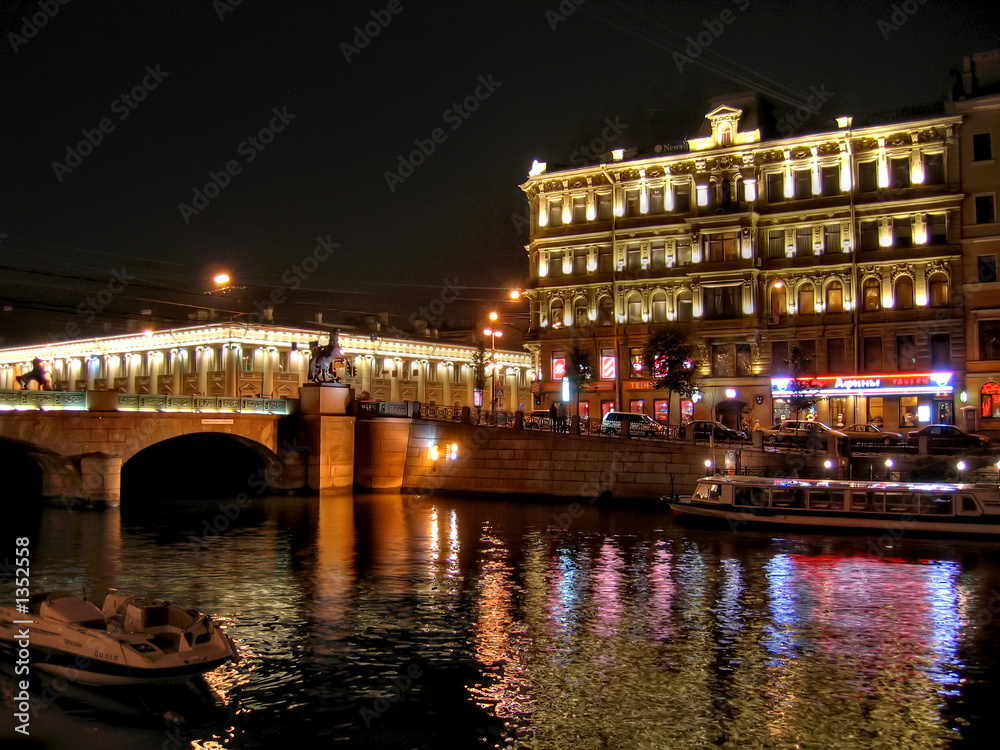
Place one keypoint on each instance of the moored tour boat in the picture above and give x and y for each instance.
(844, 504)
(129, 641)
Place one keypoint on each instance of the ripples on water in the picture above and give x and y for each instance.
(388, 621)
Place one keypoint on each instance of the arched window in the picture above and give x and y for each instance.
(581, 312)
(807, 300)
(633, 306)
(904, 293)
(658, 305)
(685, 312)
(606, 312)
(939, 290)
(835, 297)
(989, 400)
(779, 305)
(872, 294)
(556, 313)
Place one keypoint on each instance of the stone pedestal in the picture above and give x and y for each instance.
(326, 399)
(101, 475)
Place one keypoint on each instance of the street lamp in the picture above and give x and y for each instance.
(493, 333)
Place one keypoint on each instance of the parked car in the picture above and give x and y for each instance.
(707, 428)
(947, 437)
(872, 434)
(803, 434)
(638, 424)
(538, 420)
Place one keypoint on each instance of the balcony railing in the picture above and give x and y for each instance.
(109, 401)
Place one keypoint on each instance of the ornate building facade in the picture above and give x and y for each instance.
(237, 360)
(845, 244)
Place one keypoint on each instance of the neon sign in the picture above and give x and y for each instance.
(898, 384)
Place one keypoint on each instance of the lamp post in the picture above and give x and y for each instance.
(493, 333)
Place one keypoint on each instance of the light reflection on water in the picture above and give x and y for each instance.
(388, 621)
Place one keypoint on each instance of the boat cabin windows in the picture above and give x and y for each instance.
(826, 499)
(708, 492)
(753, 497)
(969, 506)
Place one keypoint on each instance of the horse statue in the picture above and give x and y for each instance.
(39, 374)
(322, 359)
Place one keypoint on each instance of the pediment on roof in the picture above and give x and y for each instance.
(724, 112)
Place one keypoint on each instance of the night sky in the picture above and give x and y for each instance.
(498, 84)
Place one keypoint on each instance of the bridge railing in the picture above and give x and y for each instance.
(82, 401)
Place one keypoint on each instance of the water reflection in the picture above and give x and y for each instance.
(450, 622)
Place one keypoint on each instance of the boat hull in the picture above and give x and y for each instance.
(737, 518)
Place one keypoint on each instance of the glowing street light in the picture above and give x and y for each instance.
(221, 279)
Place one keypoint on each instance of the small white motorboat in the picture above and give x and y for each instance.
(129, 641)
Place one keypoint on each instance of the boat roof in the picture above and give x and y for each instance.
(847, 484)
(70, 609)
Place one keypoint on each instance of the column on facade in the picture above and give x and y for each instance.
(510, 384)
(92, 364)
(367, 363)
(422, 381)
(177, 371)
(445, 369)
(153, 361)
(232, 369)
(6, 377)
(470, 384)
(73, 368)
(202, 365)
(397, 365)
(268, 362)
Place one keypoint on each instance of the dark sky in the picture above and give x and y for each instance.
(556, 71)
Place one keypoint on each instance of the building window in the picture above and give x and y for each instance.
(779, 304)
(684, 253)
(556, 313)
(731, 360)
(661, 410)
(606, 312)
(906, 353)
(831, 239)
(803, 183)
(835, 297)
(937, 229)
(657, 256)
(803, 241)
(658, 303)
(776, 243)
(608, 371)
(985, 210)
(722, 247)
(989, 339)
(899, 173)
(775, 187)
(633, 258)
(685, 313)
(722, 302)
(632, 202)
(987, 269)
(940, 351)
(867, 176)
(633, 307)
(580, 209)
(558, 366)
(982, 147)
(555, 213)
(779, 358)
(904, 293)
(807, 352)
(902, 231)
(604, 206)
(989, 400)
(830, 178)
(605, 263)
(581, 312)
(933, 169)
(807, 300)
(656, 200)
(873, 353)
(872, 293)
(682, 197)
(580, 263)
(836, 356)
(637, 360)
(869, 235)
(939, 290)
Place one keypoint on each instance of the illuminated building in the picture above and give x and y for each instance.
(844, 243)
(976, 97)
(238, 360)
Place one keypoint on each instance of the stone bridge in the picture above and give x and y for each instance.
(80, 454)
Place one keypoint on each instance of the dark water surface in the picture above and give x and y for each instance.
(383, 621)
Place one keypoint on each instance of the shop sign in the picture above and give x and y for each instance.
(639, 385)
(893, 384)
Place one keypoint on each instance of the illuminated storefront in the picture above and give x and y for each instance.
(895, 400)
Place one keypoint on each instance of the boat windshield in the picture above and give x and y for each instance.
(708, 492)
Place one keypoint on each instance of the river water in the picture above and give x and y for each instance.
(388, 621)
